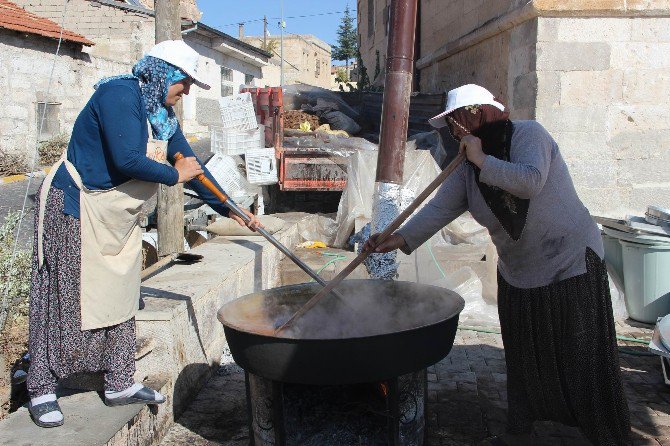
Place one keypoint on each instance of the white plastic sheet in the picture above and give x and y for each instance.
(357, 197)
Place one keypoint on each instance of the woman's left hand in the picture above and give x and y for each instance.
(472, 146)
(253, 224)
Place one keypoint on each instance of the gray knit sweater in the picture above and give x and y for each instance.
(558, 227)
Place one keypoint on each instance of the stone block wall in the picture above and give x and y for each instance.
(602, 92)
(25, 67)
(593, 72)
(120, 35)
(302, 53)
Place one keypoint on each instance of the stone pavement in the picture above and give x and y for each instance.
(467, 399)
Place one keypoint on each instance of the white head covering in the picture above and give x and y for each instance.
(469, 94)
(177, 53)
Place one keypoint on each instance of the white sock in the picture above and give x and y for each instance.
(130, 391)
(49, 417)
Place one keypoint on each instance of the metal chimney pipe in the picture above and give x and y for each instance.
(386, 203)
(397, 90)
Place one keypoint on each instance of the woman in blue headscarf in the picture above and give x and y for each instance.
(87, 250)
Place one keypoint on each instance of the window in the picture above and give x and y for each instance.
(317, 70)
(51, 125)
(226, 74)
(371, 18)
(248, 79)
(227, 82)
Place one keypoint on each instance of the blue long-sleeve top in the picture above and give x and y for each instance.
(108, 147)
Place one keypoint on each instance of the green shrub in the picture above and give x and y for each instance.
(14, 274)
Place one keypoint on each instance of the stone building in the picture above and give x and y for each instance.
(306, 59)
(117, 34)
(594, 73)
(27, 51)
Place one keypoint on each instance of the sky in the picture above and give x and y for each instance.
(323, 21)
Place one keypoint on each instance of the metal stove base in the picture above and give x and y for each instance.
(284, 414)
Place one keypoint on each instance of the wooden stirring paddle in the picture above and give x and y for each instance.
(395, 224)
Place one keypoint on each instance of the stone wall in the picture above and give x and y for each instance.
(25, 67)
(120, 35)
(591, 71)
(603, 93)
(302, 54)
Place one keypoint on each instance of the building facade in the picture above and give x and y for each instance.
(119, 34)
(306, 59)
(592, 72)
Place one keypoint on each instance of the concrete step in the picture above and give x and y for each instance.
(88, 422)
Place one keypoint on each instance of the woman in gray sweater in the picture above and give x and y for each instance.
(553, 295)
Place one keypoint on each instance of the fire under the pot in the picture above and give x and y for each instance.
(390, 412)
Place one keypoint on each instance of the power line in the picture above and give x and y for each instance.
(279, 18)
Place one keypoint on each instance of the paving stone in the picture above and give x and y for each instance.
(466, 401)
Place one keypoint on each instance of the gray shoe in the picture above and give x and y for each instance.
(38, 410)
(143, 396)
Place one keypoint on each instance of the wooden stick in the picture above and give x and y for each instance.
(395, 224)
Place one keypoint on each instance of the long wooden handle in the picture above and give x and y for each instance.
(395, 224)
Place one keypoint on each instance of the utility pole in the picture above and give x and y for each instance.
(265, 33)
(170, 206)
(393, 132)
(281, 51)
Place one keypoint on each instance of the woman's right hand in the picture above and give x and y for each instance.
(188, 168)
(392, 242)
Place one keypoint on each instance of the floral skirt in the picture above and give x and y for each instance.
(57, 344)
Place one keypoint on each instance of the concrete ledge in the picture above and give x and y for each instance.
(89, 422)
(21, 177)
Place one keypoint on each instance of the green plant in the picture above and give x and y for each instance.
(341, 76)
(270, 46)
(51, 149)
(14, 273)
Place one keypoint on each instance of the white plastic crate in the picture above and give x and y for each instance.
(233, 142)
(225, 171)
(261, 166)
(237, 112)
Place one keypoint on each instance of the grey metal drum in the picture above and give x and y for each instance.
(382, 329)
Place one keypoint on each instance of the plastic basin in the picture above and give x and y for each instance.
(646, 271)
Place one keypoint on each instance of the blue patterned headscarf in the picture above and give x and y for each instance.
(155, 76)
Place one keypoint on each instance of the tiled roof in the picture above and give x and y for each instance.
(16, 18)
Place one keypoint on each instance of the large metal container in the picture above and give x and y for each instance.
(384, 329)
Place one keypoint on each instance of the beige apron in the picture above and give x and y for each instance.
(111, 243)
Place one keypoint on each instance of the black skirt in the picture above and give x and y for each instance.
(561, 354)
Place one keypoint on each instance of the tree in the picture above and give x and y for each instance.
(347, 40)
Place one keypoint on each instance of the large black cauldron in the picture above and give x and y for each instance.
(384, 329)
